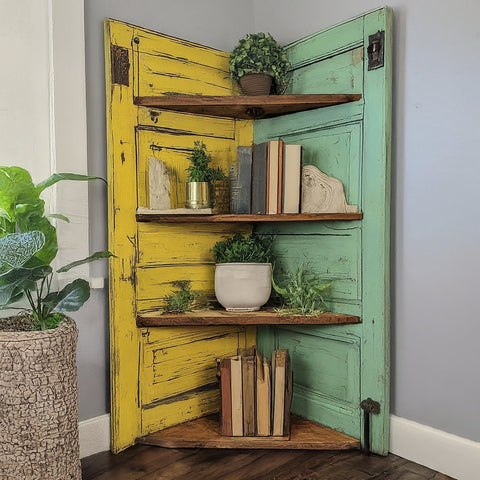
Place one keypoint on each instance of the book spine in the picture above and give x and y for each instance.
(248, 382)
(226, 396)
(234, 188)
(292, 163)
(264, 397)
(288, 394)
(279, 393)
(259, 178)
(272, 177)
(244, 166)
(237, 401)
(280, 176)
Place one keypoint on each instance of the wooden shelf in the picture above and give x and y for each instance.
(146, 215)
(205, 433)
(245, 107)
(222, 317)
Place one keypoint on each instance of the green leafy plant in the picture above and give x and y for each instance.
(199, 169)
(182, 300)
(302, 293)
(244, 249)
(28, 244)
(260, 53)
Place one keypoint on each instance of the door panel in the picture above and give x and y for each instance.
(350, 142)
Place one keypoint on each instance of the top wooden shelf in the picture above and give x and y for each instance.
(245, 107)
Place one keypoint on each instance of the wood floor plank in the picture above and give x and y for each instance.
(154, 463)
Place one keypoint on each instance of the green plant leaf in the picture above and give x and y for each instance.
(15, 282)
(17, 248)
(59, 216)
(70, 298)
(91, 258)
(57, 177)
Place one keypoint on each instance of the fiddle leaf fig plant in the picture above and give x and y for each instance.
(28, 244)
(260, 53)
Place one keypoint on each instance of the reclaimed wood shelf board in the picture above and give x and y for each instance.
(147, 215)
(245, 107)
(222, 317)
(205, 433)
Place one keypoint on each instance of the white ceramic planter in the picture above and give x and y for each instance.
(243, 287)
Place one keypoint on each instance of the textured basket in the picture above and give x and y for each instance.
(256, 84)
(38, 404)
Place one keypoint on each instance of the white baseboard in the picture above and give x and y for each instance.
(94, 435)
(449, 454)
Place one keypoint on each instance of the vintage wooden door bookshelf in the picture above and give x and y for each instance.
(163, 369)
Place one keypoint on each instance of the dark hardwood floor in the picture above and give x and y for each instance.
(155, 463)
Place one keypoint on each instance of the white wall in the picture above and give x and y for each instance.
(436, 172)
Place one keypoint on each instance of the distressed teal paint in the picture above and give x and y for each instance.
(348, 363)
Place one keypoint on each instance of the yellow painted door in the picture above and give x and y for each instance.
(164, 375)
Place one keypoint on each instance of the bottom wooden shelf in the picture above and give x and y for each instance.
(205, 433)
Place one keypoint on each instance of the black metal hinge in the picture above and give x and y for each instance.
(369, 407)
(120, 65)
(375, 50)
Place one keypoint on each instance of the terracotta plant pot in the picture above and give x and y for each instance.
(256, 84)
(243, 287)
(38, 402)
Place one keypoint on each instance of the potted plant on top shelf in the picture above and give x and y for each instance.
(38, 376)
(243, 272)
(205, 185)
(260, 65)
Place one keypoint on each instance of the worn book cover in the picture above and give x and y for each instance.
(241, 181)
(259, 178)
(264, 397)
(237, 400)
(292, 168)
(280, 358)
(226, 396)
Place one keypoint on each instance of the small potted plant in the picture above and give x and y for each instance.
(303, 292)
(38, 376)
(243, 272)
(260, 65)
(205, 185)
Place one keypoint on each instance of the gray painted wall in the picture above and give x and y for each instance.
(435, 357)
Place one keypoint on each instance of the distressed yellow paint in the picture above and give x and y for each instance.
(178, 247)
(150, 256)
(170, 370)
(173, 150)
(124, 340)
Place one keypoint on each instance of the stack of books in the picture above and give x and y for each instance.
(256, 394)
(266, 178)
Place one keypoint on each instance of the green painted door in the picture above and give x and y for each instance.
(336, 367)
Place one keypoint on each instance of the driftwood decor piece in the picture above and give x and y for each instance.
(158, 184)
(322, 193)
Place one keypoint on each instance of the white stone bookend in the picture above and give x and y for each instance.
(158, 184)
(323, 194)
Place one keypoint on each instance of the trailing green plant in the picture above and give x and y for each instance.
(199, 169)
(28, 244)
(183, 300)
(240, 248)
(260, 53)
(302, 292)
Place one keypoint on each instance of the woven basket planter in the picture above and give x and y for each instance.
(38, 404)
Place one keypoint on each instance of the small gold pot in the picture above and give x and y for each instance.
(198, 195)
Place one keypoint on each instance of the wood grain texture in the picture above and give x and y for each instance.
(146, 215)
(222, 317)
(244, 107)
(205, 433)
